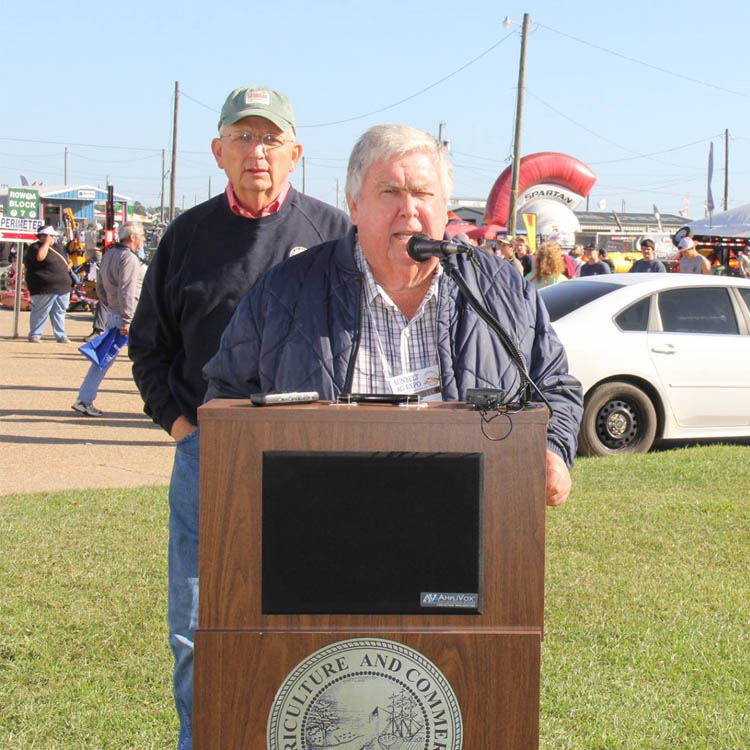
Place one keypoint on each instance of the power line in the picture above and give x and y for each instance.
(637, 154)
(340, 168)
(476, 168)
(193, 99)
(389, 106)
(656, 153)
(619, 189)
(32, 156)
(483, 158)
(645, 64)
(112, 161)
(581, 125)
(84, 145)
(414, 95)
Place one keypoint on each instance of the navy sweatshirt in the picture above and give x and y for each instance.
(207, 261)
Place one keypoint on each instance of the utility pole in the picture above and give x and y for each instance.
(209, 187)
(173, 173)
(163, 175)
(519, 119)
(337, 192)
(445, 143)
(303, 175)
(65, 174)
(726, 169)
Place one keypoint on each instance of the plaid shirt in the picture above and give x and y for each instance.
(391, 344)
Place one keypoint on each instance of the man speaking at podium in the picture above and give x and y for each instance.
(360, 315)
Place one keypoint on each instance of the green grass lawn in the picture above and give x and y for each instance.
(648, 608)
(648, 604)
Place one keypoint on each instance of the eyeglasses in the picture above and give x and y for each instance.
(267, 141)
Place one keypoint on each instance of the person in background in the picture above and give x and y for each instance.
(648, 264)
(604, 257)
(691, 261)
(466, 240)
(207, 260)
(49, 284)
(569, 266)
(505, 250)
(576, 254)
(549, 267)
(593, 266)
(100, 309)
(118, 286)
(743, 260)
(522, 253)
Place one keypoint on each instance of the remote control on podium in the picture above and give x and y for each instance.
(271, 399)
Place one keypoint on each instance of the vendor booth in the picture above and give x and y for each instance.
(721, 236)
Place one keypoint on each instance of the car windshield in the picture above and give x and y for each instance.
(560, 299)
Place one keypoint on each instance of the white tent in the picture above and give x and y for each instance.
(733, 223)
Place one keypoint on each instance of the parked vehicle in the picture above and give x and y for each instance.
(659, 356)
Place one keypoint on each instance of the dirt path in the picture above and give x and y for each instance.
(45, 444)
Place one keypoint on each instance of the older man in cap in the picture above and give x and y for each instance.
(359, 315)
(209, 257)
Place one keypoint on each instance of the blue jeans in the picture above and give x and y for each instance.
(52, 306)
(182, 606)
(90, 386)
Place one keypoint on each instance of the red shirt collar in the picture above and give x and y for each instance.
(271, 208)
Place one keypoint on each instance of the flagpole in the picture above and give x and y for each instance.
(709, 194)
(726, 169)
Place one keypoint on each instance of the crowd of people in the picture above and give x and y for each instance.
(551, 264)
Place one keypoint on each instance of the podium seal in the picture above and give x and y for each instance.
(365, 694)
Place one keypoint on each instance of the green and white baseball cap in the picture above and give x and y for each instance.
(258, 101)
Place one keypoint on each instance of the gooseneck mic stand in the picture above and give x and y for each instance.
(420, 248)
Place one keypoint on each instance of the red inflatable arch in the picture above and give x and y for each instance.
(544, 167)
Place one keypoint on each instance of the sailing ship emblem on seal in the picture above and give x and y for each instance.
(365, 694)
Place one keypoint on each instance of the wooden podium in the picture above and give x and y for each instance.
(490, 658)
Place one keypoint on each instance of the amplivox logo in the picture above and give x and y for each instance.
(442, 599)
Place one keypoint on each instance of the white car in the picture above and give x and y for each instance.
(659, 355)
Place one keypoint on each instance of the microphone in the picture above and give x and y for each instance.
(420, 247)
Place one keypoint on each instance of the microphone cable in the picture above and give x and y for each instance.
(527, 383)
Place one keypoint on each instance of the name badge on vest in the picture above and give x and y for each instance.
(425, 383)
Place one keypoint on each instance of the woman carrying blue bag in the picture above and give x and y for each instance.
(118, 285)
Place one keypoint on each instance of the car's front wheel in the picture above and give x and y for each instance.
(617, 418)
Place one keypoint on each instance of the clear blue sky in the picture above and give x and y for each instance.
(103, 73)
